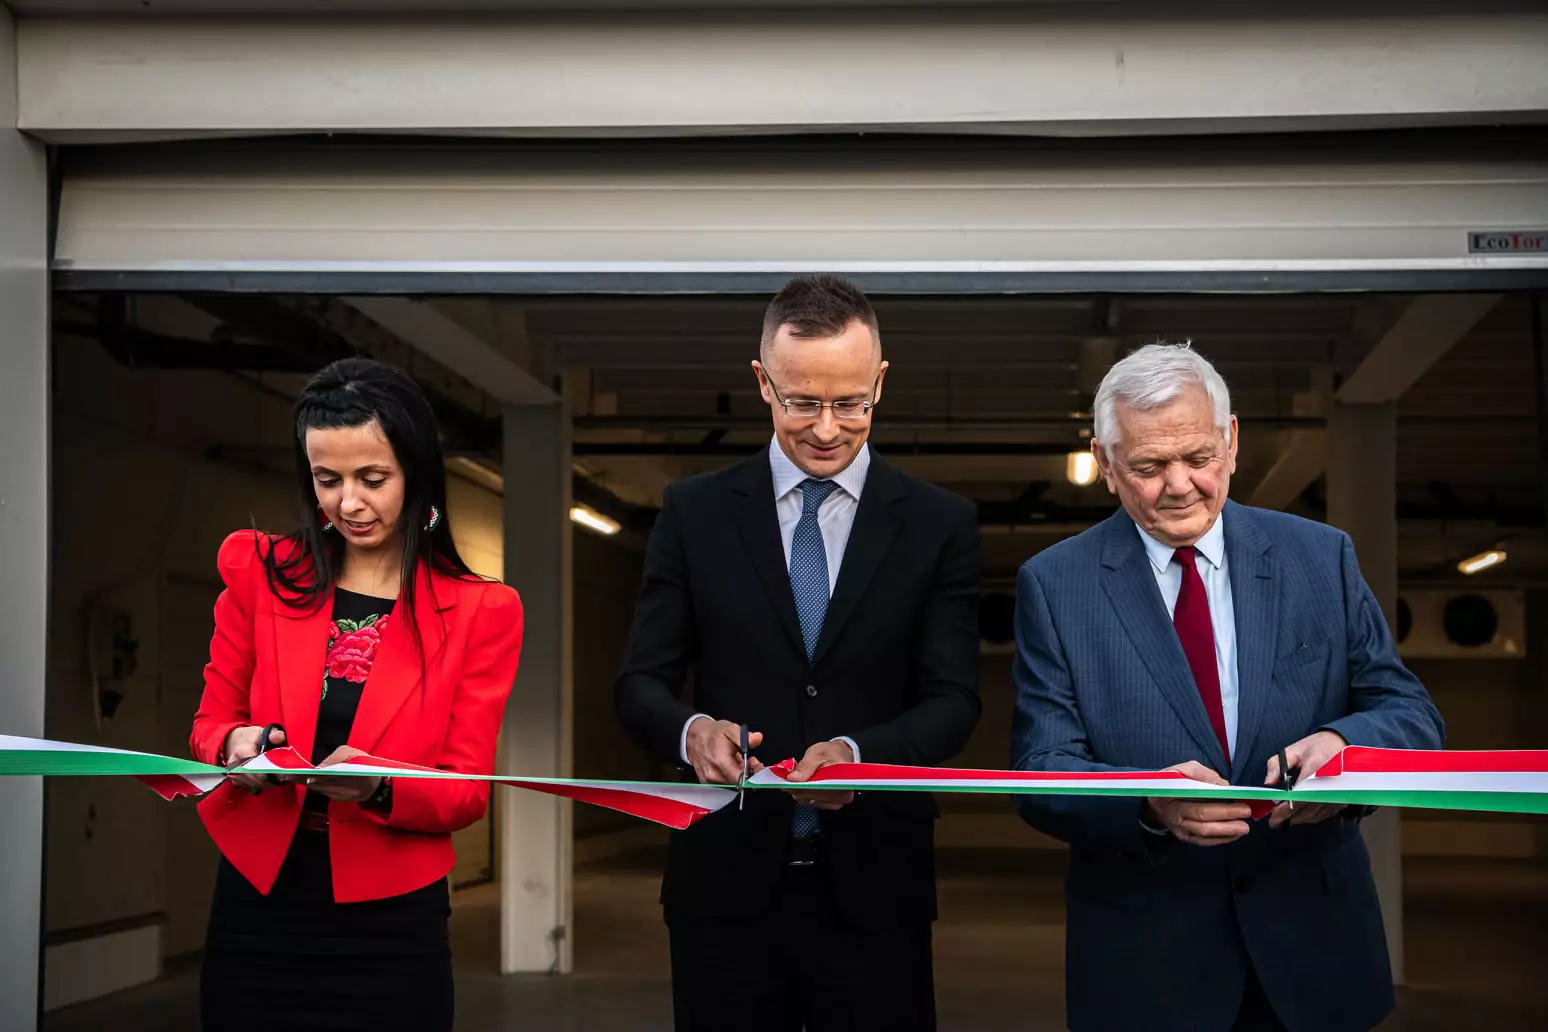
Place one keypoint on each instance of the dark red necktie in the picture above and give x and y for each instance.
(1197, 634)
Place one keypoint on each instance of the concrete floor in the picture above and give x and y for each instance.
(1477, 946)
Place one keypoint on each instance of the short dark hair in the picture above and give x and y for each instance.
(815, 307)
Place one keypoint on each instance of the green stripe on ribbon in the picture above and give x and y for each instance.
(70, 763)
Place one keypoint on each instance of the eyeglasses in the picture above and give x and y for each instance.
(810, 408)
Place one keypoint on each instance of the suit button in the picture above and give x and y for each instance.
(1239, 883)
(811, 691)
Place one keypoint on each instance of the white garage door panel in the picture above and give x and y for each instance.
(1078, 69)
(454, 207)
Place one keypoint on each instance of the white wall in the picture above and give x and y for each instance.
(475, 521)
(23, 533)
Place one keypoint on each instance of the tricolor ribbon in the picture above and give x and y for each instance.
(674, 805)
(1514, 781)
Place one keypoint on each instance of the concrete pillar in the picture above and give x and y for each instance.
(1362, 502)
(535, 829)
(23, 535)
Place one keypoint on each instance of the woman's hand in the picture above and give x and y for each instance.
(242, 745)
(346, 788)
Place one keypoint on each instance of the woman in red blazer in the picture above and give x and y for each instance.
(362, 632)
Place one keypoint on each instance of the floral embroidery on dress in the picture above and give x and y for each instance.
(352, 646)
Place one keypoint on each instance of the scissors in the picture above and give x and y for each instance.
(263, 747)
(741, 787)
(1288, 775)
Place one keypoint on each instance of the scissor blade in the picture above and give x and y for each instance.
(741, 788)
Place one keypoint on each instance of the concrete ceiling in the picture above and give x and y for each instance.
(1005, 374)
(335, 8)
(442, 6)
(218, 7)
(985, 395)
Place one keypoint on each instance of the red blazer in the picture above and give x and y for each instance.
(266, 667)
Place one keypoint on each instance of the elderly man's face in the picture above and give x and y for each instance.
(1171, 467)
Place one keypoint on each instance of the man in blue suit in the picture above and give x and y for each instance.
(1191, 633)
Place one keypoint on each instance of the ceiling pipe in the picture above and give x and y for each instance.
(1073, 421)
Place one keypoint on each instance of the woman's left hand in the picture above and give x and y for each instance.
(345, 788)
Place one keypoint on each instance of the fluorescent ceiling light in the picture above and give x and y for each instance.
(1482, 561)
(1080, 468)
(594, 521)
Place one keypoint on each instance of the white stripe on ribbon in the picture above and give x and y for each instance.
(15, 743)
(1457, 780)
(1524, 782)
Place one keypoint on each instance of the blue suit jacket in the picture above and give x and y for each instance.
(1159, 933)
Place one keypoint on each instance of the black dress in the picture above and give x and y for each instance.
(295, 959)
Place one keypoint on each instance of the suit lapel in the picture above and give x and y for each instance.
(1130, 583)
(1255, 599)
(758, 524)
(301, 641)
(395, 672)
(877, 520)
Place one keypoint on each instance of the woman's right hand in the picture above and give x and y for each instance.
(241, 745)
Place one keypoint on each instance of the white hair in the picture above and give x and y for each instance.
(1154, 376)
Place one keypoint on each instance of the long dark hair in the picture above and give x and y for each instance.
(304, 566)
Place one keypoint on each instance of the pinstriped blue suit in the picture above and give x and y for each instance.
(1159, 933)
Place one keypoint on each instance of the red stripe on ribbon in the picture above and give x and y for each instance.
(890, 772)
(674, 813)
(1259, 808)
(1364, 759)
(287, 758)
(169, 786)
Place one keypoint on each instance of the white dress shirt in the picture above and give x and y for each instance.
(1222, 614)
(835, 519)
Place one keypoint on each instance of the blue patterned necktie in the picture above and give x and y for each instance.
(809, 585)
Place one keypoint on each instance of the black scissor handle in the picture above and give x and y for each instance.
(263, 739)
(1286, 775)
(264, 746)
(741, 787)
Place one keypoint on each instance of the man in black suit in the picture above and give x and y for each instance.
(828, 602)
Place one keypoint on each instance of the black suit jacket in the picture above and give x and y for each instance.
(895, 669)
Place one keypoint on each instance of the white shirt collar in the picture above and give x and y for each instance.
(1211, 546)
(788, 476)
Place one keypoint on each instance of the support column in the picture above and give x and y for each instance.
(535, 829)
(1362, 502)
(23, 535)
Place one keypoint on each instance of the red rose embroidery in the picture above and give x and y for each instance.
(352, 648)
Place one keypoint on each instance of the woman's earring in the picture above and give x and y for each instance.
(435, 519)
(327, 524)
